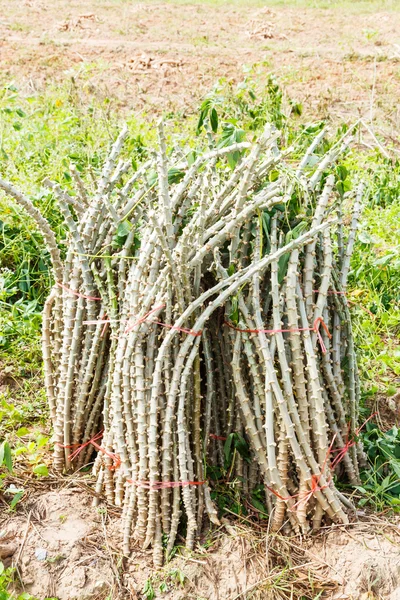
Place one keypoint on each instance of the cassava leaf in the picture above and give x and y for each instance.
(214, 120)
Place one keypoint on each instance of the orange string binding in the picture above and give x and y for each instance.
(315, 487)
(341, 452)
(316, 328)
(93, 441)
(75, 292)
(153, 310)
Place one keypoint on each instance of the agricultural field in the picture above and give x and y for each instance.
(71, 75)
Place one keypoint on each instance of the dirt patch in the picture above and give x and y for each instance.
(387, 409)
(65, 548)
(56, 550)
(164, 56)
(365, 563)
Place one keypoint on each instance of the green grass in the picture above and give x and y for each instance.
(6, 579)
(40, 136)
(381, 484)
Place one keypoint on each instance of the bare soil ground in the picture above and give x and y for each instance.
(63, 548)
(164, 56)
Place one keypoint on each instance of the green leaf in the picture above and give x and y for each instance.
(200, 123)
(41, 440)
(242, 447)
(259, 506)
(342, 172)
(1, 568)
(282, 266)
(228, 449)
(233, 159)
(273, 175)
(396, 468)
(123, 228)
(384, 260)
(175, 175)
(284, 259)
(230, 135)
(266, 223)
(22, 431)
(152, 178)
(340, 188)
(148, 590)
(122, 233)
(204, 109)
(296, 108)
(20, 450)
(391, 390)
(17, 497)
(365, 238)
(41, 470)
(191, 157)
(17, 125)
(214, 120)
(7, 458)
(234, 314)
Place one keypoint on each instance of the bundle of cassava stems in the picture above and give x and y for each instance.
(199, 298)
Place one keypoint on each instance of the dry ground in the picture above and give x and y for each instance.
(341, 62)
(65, 549)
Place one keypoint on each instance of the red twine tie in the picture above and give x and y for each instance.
(105, 327)
(182, 329)
(341, 452)
(315, 479)
(105, 320)
(319, 321)
(161, 485)
(79, 447)
(142, 320)
(315, 487)
(76, 293)
(213, 436)
(153, 310)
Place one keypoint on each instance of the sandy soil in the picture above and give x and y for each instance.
(64, 548)
(164, 56)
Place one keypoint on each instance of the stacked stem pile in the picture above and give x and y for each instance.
(196, 302)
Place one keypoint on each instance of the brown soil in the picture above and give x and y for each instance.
(64, 548)
(164, 56)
